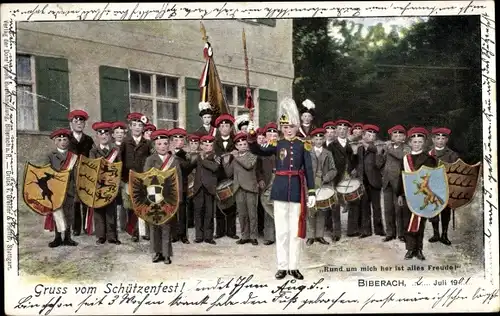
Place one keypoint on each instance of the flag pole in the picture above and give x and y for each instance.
(248, 101)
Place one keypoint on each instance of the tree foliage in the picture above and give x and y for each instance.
(428, 74)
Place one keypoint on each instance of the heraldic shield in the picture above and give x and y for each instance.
(97, 181)
(462, 182)
(44, 189)
(426, 190)
(155, 194)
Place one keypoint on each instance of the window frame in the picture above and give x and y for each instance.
(153, 97)
(236, 108)
(31, 83)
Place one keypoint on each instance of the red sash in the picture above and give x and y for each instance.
(90, 214)
(165, 163)
(414, 224)
(303, 201)
(49, 223)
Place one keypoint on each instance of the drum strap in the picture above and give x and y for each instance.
(414, 224)
(303, 203)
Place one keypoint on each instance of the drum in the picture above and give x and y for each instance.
(225, 190)
(190, 191)
(350, 190)
(326, 197)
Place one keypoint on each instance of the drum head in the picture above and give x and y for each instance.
(348, 186)
(324, 193)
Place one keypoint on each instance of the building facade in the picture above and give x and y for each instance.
(112, 68)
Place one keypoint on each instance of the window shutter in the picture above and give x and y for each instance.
(114, 92)
(52, 83)
(193, 121)
(268, 106)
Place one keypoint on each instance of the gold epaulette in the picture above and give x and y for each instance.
(307, 144)
(273, 142)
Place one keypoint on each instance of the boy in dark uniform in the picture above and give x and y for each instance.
(414, 225)
(180, 223)
(443, 153)
(370, 160)
(119, 130)
(393, 159)
(162, 159)
(225, 220)
(261, 139)
(205, 184)
(194, 148)
(105, 217)
(206, 119)
(80, 144)
(307, 114)
(293, 174)
(133, 153)
(62, 159)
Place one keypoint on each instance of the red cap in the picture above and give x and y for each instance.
(397, 128)
(102, 126)
(194, 138)
(224, 118)
(240, 136)
(271, 126)
(76, 113)
(136, 116)
(178, 132)
(318, 132)
(119, 125)
(417, 131)
(261, 131)
(343, 122)
(149, 127)
(60, 132)
(441, 131)
(160, 134)
(358, 126)
(371, 127)
(329, 124)
(207, 139)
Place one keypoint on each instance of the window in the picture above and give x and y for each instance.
(26, 102)
(235, 97)
(156, 96)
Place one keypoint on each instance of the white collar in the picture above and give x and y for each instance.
(225, 138)
(206, 126)
(439, 148)
(176, 150)
(306, 125)
(118, 143)
(77, 135)
(318, 148)
(162, 157)
(396, 146)
(62, 151)
(104, 146)
(342, 141)
(137, 139)
(416, 152)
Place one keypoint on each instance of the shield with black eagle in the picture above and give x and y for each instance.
(155, 194)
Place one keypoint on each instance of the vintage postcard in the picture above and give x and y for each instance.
(250, 158)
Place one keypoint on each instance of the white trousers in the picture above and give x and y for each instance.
(288, 245)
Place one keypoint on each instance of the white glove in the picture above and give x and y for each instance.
(311, 201)
(217, 160)
(251, 126)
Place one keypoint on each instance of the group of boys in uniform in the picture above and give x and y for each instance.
(291, 157)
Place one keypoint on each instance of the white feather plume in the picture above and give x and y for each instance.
(204, 106)
(288, 107)
(242, 118)
(308, 104)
